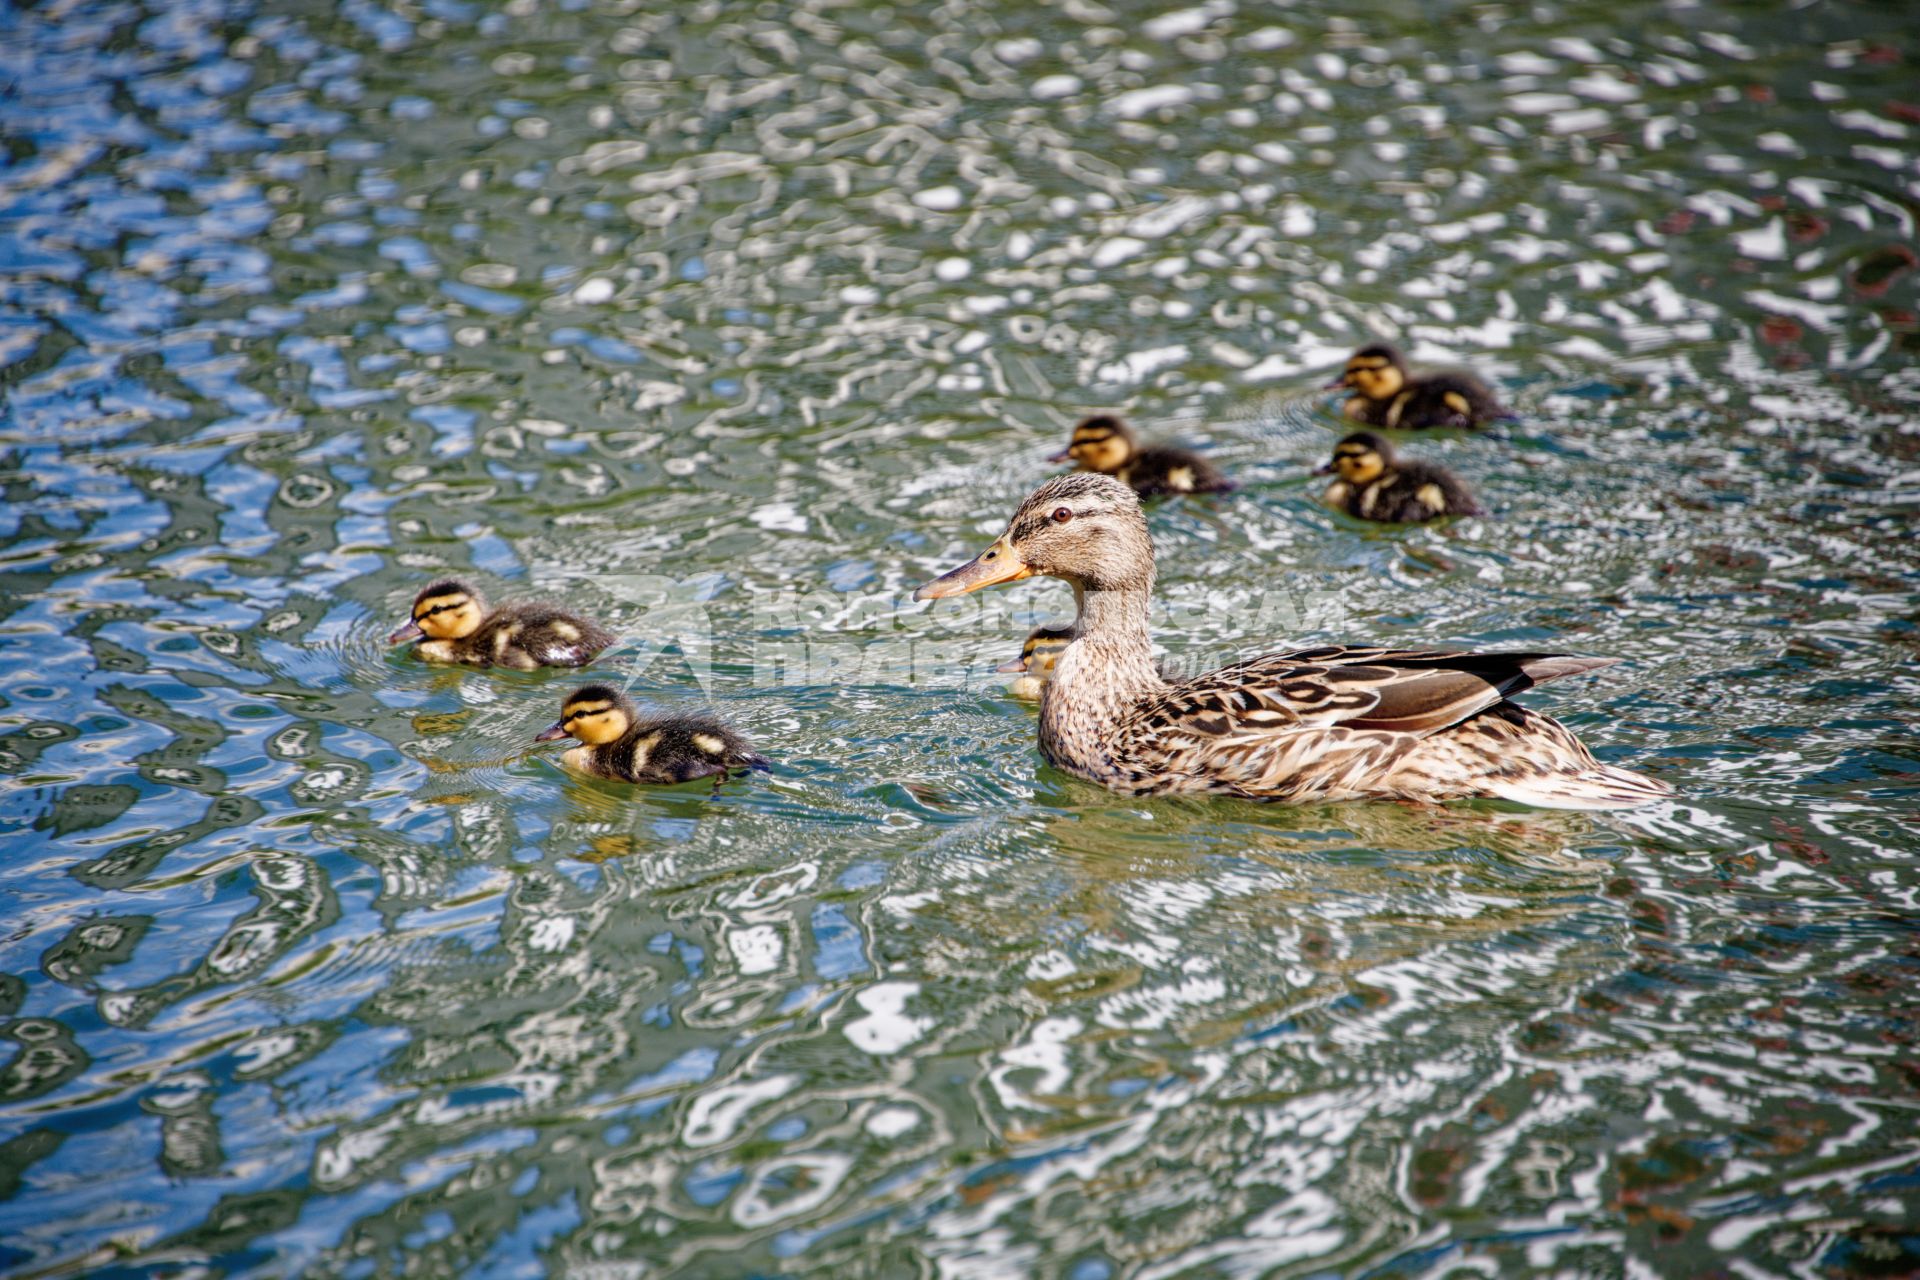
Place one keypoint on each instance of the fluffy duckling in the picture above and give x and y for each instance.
(1108, 445)
(1042, 648)
(1375, 483)
(620, 744)
(457, 627)
(1387, 395)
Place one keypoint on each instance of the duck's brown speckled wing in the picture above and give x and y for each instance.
(1321, 721)
(1404, 690)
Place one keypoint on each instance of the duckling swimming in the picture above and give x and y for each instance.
(1043, 646)
(1387, 395)
(1377, 484)
(1108, 445)
(454, 618)
(622, 745)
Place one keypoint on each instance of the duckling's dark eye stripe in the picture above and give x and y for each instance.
(439, 608)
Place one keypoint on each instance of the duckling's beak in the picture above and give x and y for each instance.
(558, 729)
(1065, 455)
(411, 631)
(1336, 384)
(995, 565)
(1012, 668)
(1324, 469)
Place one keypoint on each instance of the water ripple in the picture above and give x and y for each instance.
(731, 326)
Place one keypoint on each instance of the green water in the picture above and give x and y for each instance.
(731, 323)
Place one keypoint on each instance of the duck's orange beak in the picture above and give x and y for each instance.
(995, 565)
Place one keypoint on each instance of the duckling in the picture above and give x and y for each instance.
(1377, 484)
(1042, 649)
(1387, 395)
(1035, 663)
(622, 745)
(1331, 723)
(1108, 445)
(454, 618)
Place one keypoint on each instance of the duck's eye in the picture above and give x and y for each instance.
(1062, 514)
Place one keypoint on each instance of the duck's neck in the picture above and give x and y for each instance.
(1105, 670)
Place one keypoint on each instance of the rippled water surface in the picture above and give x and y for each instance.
(730, 323)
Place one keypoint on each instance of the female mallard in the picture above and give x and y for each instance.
(1106, 444)
(454, 619)
(1034, 666)
(620, 744)
(1385, 394)
(1375, 483)
(1333, 723)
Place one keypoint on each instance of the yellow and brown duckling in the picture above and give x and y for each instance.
(453, 624)
(1106, 444)
(1386, 394)
(1331, 723)
(621, 744)
(1374, 483)
(1043, 646)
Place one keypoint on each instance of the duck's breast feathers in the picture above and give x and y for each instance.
(1165, 469)
(1416, 692)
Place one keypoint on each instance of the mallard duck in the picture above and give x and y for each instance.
(1106, 444)
(458, 628)
(1375, 483)
(1331, 723)
(620, 744)
(1387, 395)
(1043, 646)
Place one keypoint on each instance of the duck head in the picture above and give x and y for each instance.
(1359, 458)
(1101, 443)
(447, 610)
(1377, 372)
(595, 715)
(1042, 649)
(1082, 528)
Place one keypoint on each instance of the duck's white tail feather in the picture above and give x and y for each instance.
(1600, 787)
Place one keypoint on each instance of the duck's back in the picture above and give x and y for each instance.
(1449, 398)
(525, 636)
(1165, 469)
(680, 747)
(697, 745)
(1345, 723)
(1413, 492)
(1446, 398)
